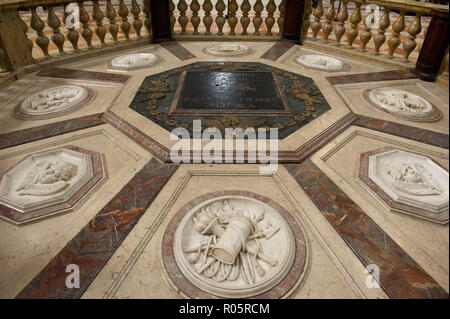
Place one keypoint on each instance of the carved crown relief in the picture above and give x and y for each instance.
(402, 103)
(234, 247)
(321, 62)
(133, 61)
(53, 101)
(227, 49)
(407, 182)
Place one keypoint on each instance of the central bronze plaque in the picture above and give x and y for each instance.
(204, 93)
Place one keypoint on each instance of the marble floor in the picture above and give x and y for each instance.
(92, 206)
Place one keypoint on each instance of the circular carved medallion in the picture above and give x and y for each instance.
(234, 244)
(133, 61)
(402, 104)
(322, 62)
(227, 49)
(53, 102)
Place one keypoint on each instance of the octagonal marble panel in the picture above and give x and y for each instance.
(407, 182)
(227, 49)
(322, 63)
(133, 61)
(48, 182)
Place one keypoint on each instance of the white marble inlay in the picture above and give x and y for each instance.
(54, 100)
(401, 102)
(321, 62)
(133, 60)
(227, 49)
(411, 179)
(44, 179)
(234, 247)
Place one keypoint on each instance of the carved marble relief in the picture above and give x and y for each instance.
(133, 61)
(322, 62)
(46, 178)
(54, 101)
(234, 247)
(227, 49)
(403, 104)
(407, 181)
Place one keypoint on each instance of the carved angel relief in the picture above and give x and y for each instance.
(47, 178)
(401, 100)
(131, 60)
(231, 246)
(57, 97)
(321, 62)
(227, 49)
(413, 179)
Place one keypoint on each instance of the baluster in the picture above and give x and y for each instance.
(183, 19)
(380, 38)
(307, 18)
(394, 41)
(72, 35)
(328, 25)
(195, 20)
(366, 34)
(340, 27)
(280, 20)
(207, 19)
(355, 19)
(410, 44)
(38, 25)
(316, 25)
(270, 21)
(137, 23)
(220, 19)
(54, 23)
(148, 17)
(98, 17)
(257, 20)
(245, 20)
(125, 26)
(172, 17)
(84, 19)
(232, 20)
(111, 15)
(25, 31)
(3, 64)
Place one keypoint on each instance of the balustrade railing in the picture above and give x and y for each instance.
(56, 29)
(233, 18)
(392, 29)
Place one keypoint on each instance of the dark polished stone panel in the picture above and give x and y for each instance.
(230, 91)
(84, 75)
(91, 248)
(295, 100)
(400, 275)
(371, 77)
(177, 50)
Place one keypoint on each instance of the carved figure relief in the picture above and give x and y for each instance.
(47, 178)
(53, 101)
(136, 60)
(321, 62)
(403, 104)
(227, 49)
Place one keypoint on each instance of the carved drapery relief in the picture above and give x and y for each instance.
(322, 62)
(234, 247)
(402, 103)
(227, 49)
(53, 101)
(133, 61)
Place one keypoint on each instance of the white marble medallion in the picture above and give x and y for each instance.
(51, 102)
(234, 247)
(227, 49)
(133, 61)
(44, 179)
(402, 103)
(411, 179)
(322, 62)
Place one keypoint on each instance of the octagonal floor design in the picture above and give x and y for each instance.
(115, 232)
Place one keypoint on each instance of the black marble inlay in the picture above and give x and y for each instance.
(230, 91)
(230, 95)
